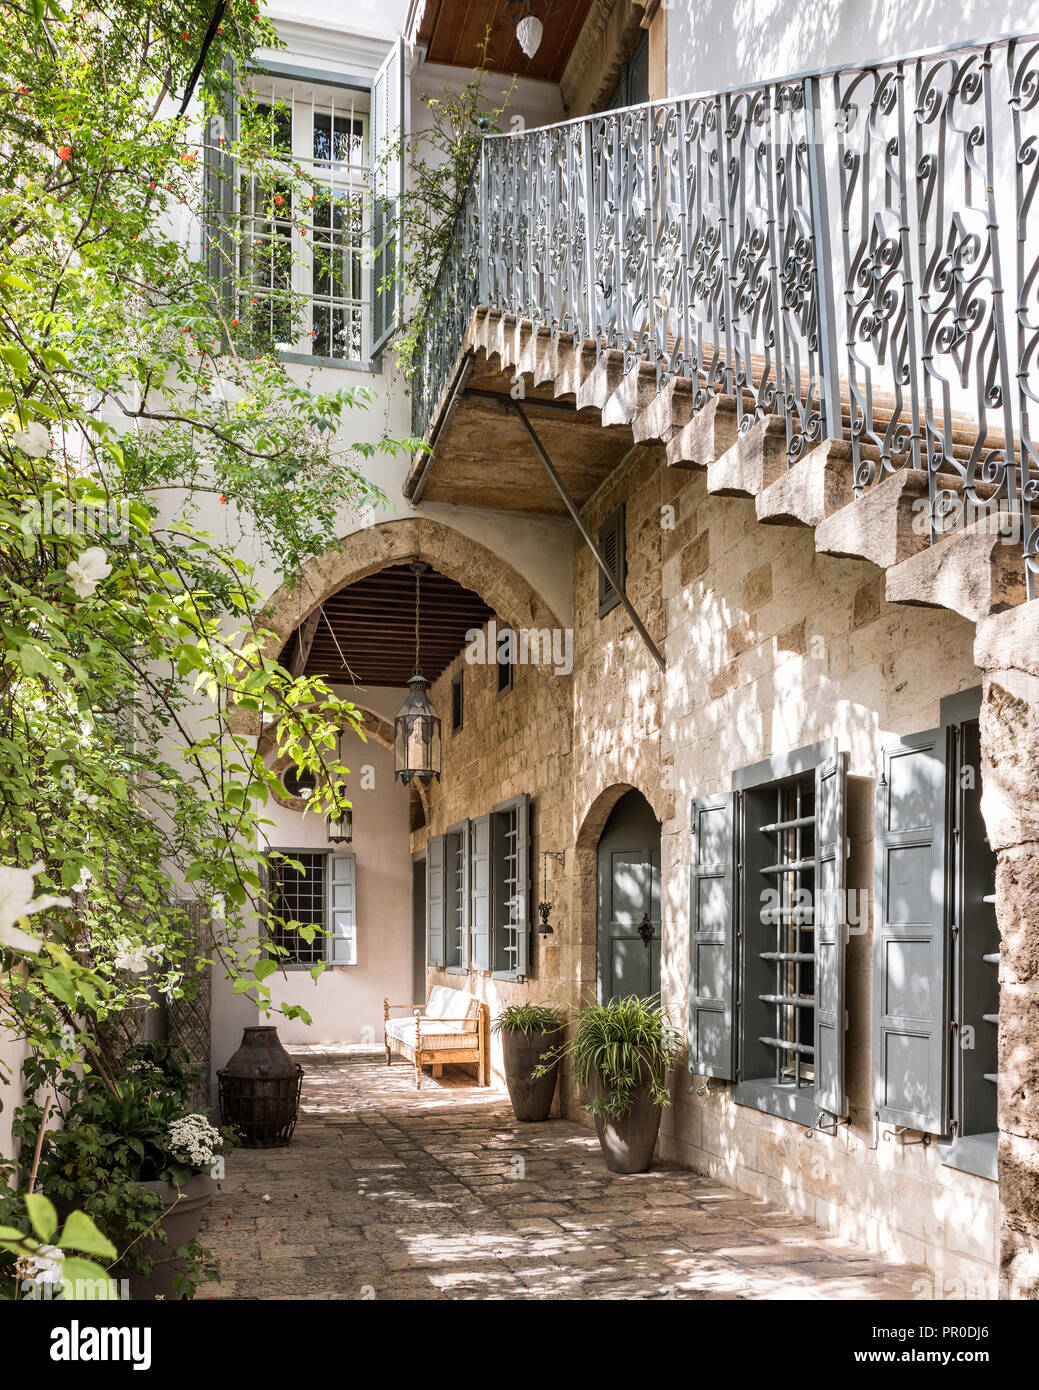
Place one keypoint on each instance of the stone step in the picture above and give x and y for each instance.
(810, 490)
(975, 570)
(885, 525)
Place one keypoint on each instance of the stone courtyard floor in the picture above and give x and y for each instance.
(391, 1193)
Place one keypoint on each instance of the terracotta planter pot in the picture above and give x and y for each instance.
(180, 1225)
(627, 1143)
(531, 1098)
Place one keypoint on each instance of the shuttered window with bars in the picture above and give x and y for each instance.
(499, 890)
(767, 935)
(313, 890)
(448, 897)
(612, 548)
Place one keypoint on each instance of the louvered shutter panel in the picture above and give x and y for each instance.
(341, 900)
(480, 881)
(523, 888)
(910, 952)
(219, 193)
(712, 939)
(435, 901)
(831, 932)
(611, 544)
(387, 176)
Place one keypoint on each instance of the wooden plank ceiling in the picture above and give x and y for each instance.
(366, 635)
(453, 32)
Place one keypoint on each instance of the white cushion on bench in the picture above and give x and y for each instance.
(434, 1034)
(445, 1002)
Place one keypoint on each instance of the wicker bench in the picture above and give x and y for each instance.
(450, 1027)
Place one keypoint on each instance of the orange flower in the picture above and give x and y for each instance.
(65, 152)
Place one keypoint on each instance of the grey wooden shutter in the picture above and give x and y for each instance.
(480, 883)
(523, 887)
(387, 175)
(910, 974)
(831, 932)
(219, 193)
(435, 901)
(341, 906)
(611, 544)
(712, 939)
(465, 869)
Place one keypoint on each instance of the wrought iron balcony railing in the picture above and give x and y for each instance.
(857, 251)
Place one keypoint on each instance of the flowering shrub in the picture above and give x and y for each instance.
(194, 1140)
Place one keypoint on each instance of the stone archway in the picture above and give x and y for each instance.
(450, 552)
(586, 868)
(365, 552)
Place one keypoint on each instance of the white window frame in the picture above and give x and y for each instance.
(306, 99)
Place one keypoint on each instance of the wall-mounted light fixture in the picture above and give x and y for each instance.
(545, 909)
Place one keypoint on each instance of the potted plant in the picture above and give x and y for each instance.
(528, 1031)
(135, 1162)
(622, 1052)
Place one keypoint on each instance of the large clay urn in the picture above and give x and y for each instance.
(260, 1089)
(531, 1097)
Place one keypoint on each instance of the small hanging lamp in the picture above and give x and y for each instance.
(340, 819)
(416, 729)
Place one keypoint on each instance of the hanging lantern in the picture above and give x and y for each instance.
(341, 817)
(341, 823)
(529, 33)
(416, 729)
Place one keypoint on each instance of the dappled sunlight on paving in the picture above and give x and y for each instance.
(391, 1193)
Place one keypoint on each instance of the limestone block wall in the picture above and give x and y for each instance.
(509, 744)
(769, 646)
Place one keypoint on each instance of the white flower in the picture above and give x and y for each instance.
(41, 1267)
(87, 572)
(33, 440)
(194, 1140)
(17, 901)
(133, 955)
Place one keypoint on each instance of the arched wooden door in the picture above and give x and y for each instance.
(628, 924)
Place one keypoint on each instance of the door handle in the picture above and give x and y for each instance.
(645, 930)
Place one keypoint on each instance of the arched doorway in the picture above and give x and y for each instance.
(628, 901)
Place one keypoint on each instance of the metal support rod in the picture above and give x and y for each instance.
(575, 516)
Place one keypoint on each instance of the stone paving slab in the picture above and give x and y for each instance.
(389, 1193)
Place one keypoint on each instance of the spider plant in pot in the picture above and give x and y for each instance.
(622, 1052)
(528, 1031)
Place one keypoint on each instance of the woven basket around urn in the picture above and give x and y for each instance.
(260, 1089)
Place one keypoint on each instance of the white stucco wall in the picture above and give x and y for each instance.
(714, 44)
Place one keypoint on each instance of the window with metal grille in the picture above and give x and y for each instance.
(789, 898)
(975, 941)
(308, 286)
(783, 936)
(612, 548)
(456, 904)
(297, 898)
(507, 903)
